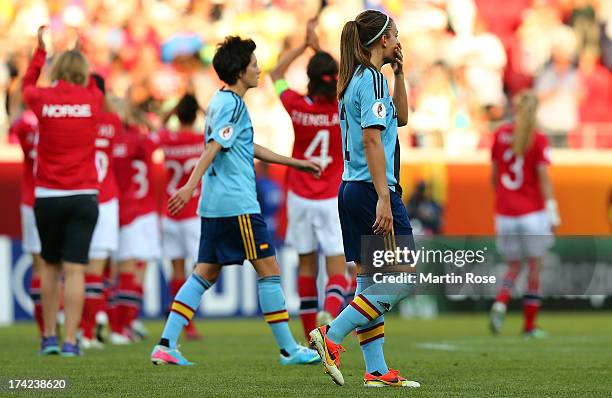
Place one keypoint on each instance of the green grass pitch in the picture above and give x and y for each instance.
(451, 356)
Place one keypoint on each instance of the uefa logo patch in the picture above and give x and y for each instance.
(379, 110)
(227, 132)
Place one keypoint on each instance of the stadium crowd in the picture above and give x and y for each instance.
(465, 58)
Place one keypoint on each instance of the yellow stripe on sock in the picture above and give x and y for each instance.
(372, 333)
(372, 312)
(247, 247)
(281, 316)
(180, 308)
(250, 234)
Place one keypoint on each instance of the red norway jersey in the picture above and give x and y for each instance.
(26, 129)
(67, 115)
(133, 158)
(517, 186)
(182, 150)
(317, 138)
(109, 127)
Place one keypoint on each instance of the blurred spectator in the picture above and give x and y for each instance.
(597, 84)
(152, 49)
(558, 89)
(425, 213)
(584, 21)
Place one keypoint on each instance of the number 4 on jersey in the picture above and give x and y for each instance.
(320, 139)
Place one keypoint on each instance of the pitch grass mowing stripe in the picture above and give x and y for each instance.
(238, 358)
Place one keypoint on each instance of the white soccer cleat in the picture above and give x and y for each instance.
(119, 339)
(87, 344)
(496, 317)
(324, 318)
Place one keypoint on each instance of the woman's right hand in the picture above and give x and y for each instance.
(180, 199)
(384, 216)
(40, 34)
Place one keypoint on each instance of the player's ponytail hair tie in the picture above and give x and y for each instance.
(329, 78)
(380, 32)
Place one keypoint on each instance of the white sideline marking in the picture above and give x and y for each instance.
(438, 346)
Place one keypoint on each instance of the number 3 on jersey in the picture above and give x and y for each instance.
(321, 139)
(510, 182)
(140, 178)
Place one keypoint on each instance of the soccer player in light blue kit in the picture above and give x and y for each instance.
(232, 228)
(369, 198)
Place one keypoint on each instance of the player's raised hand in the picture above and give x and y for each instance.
(179, 199)
(384, 217)
(398, 63)
(309, 167)
(312, 40)
(40, 35)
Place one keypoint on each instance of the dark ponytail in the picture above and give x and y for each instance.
(353, 49)
(322, 74)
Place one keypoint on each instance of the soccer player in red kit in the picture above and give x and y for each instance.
(139, 233)
(105, 239)
(66, 185)
(525, 208)
(312, 208)
(181, 232)
(25, 127)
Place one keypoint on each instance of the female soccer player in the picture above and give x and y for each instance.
(369, 198)
(25, 127)
(139, 227)
(181, 231)
(232, 227)
(66, 185)
(525, 208)
(105, 239)
(312, 207)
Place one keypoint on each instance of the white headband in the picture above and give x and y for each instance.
(379, 33)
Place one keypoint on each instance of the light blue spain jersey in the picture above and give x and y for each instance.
(228, 186)
(367, 103)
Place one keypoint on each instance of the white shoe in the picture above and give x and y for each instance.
(139, 332)
(119, 339)
(324, 318)
(87, 344)
(496, 317)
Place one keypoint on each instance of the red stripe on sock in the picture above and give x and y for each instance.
(370, 328)
(370, 304)
(362, 312)
(177, 312)
(371, 339)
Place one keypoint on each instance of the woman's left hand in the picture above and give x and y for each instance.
(398, 63)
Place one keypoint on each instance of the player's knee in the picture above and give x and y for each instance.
(307, 265)
(335, 265)
(208, 272)
(266, 267)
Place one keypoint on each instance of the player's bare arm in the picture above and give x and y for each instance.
(549, 197)
(268, 156)
(290, 56)
(184, 194)
(375, 156)
(400, 96)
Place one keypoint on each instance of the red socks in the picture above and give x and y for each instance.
(307, 290)
(94, 302)
(129, 296)
(514, 268)
(35, 295)
(531, 301)
(335, 290)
